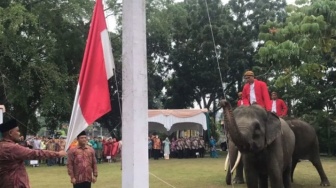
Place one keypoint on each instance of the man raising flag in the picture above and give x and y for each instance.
(92, 99)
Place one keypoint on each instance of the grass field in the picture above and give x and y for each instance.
(179, 173)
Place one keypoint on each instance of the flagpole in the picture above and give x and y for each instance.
(135, 170)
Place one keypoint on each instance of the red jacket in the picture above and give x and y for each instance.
(239, 103)
(281, 107)
(261, 92)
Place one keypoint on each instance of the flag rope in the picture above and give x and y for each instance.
(214, 43)
(220, 75)
(116, 83)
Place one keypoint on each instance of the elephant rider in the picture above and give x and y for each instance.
(278, 105)
(255, 92)
(240, 100)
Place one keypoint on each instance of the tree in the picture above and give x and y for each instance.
(39, 49)
(192, 59)
(301, 53)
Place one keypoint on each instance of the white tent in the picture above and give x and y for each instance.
(172, 120)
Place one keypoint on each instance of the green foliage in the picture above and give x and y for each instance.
(40, 56)
(301, 52)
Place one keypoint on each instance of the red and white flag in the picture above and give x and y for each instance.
(92, 98)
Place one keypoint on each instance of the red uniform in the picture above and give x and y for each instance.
(281, 107)
(261, 93)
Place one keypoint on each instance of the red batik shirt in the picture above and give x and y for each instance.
(82, 164)
(12, 170)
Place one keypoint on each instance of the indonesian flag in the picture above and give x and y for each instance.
(92, 98)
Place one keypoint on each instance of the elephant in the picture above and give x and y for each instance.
(306, 147)
(266, 143)
(232, 159)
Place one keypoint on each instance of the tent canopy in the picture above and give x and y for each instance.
(172, 120)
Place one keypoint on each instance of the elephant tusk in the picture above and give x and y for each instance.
(226, 162)
(237, 162)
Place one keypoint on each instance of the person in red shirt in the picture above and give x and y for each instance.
(82, 163)
(255, 92)
(240, 101)
(12, 155)
(278, 105)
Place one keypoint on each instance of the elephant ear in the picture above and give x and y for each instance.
(273, 127)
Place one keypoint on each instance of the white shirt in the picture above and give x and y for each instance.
(253, 98)
(274, 106)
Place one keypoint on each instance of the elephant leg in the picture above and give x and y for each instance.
(275, 176)
(251, 175)
(228, 178)
(233, 153)
(317, 163)
(239, 178)
(263, 181)
(294, 163)
(286, 178)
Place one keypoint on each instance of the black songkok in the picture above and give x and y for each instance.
(81, 134)
(8, 125)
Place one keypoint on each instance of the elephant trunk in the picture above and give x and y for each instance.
(232, 128)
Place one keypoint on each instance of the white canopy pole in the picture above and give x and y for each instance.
(135, 170)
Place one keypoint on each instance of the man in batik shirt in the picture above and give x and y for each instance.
(82, 164)
(201, 147)
(12, 156)
(179, 148)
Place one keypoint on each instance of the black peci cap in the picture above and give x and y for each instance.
(8, 125)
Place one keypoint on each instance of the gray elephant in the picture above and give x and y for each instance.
(232, 160)
(306, 147)
(266, 143)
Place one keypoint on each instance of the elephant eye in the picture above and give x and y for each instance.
(256, 129)
(256, 134)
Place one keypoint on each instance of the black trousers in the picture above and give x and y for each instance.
(156, 154)
(82, 185)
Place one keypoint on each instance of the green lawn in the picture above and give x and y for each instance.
(180, 173)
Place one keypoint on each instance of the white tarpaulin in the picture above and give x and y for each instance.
(177, 119)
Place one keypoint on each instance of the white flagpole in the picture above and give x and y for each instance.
(135, 170)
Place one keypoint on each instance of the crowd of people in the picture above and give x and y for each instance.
(184, 147)
(106, 149)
